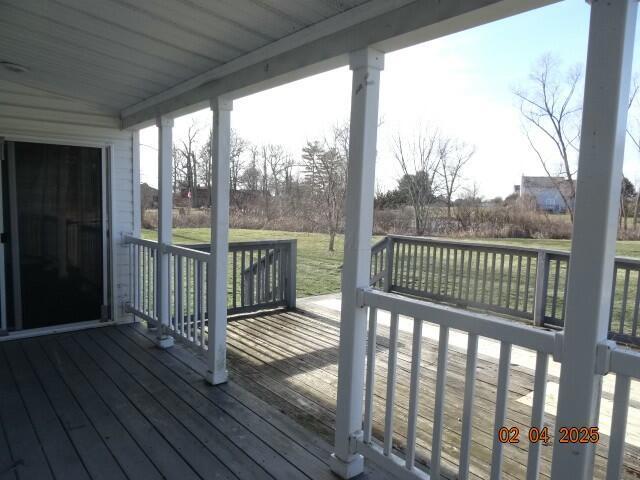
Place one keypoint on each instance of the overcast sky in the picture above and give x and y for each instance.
(461, 84)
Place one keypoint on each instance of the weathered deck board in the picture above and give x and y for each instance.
(27, 456)
(133, 460)
(291, 358)
(221, 433)
(95, 455)
(63, 457)
(142, 429)
(5, 455)
(105, 403)
(289, 438)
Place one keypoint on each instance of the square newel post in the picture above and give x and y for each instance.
(165, 219)
(366, 66)
(217, 277)
(135, 177)
(604, 116)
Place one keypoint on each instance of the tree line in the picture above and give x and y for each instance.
(274, 188)
(268, 182)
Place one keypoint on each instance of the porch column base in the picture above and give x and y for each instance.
(348, 469)
(216, 378)
(164, 342)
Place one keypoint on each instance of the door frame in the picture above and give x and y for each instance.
(3, 296)
(13, 234)
(108, 241)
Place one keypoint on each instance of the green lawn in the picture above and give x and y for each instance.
(625, 248)
(319, 270)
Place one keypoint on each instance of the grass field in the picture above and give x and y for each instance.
(624, 248)
(319, 270)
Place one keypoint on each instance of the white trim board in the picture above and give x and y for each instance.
(67, 327)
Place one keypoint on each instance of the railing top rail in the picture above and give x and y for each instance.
(625, 362)
(379, 245)
(140, 241)
(556, 253)
(620, 260)
(187, 252)
(199, 249)
(628, 261)
(250, 244)
(478, 323)
(469, 245)
(242, 245)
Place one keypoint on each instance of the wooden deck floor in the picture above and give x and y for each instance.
(106, 404)
(289, 359)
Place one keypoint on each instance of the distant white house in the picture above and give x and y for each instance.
(548, 192)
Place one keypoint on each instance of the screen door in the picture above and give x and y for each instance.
(54, 271)
(4, 236)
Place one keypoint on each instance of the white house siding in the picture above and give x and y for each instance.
(28, 114)
(548, 199)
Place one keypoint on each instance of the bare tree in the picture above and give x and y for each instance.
(276, 161)
(288, 171)
(550, 105)
(340, 138)
(177, 173)
(250, 177)
(454, 156)
(186, 160)
(311, 154)
(236, 151)
(419, 160)
(633, 131)
(469, 205)
(237, 147)
(264, 184)
(325, 169)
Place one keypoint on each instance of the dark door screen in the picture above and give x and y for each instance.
(59, 209)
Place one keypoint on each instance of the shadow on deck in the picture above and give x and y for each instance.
(106, 404)
(289, 359)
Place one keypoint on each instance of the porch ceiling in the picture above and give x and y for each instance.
(144, 58)
(119, 52)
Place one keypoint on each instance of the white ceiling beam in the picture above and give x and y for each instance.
(382, 24)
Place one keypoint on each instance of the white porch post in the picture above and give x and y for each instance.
(366, 66)
(604, 116)
(135, 181)
(217, 281)
(165, 217)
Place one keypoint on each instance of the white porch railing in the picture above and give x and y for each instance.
(624, 363)
(520, 282)
(261, 275)
(143, 259)
(626, 366)
(188, 275)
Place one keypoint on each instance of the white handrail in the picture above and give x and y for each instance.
(622, 362)
(525, 283)
(625, 361)
(187, 252)
(128, 239)
(626, 365)
(475, 323)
